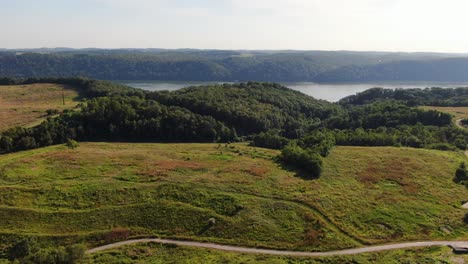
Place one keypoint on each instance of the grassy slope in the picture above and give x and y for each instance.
(393, 194)
(154, 253)
(26, 105)
(147, 188)
(371, 195)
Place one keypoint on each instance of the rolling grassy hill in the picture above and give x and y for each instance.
(365, 195)
(26, 105)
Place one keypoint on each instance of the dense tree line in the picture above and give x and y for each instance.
(211, 65)
(119, 119)
(418, 136)
(387, 114)
(197, 114)
(412, 97)
(28, 251)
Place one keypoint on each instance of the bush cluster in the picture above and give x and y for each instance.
(28, 251)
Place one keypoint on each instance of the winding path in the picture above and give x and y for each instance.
(282, 252)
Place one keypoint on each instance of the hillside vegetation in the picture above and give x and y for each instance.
(218, 113)
(173, 190)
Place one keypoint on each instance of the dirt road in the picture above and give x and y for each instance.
(282, 252)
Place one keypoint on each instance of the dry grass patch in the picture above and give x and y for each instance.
(26, 105)
(394, 171)
(258, 171)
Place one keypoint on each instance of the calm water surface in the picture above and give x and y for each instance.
(329, 92)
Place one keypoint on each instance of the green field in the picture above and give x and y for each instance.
(26, 105)
(365, 195)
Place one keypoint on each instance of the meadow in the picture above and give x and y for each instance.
(229, 193)
(26, 105)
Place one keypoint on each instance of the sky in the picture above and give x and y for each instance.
(361, 25)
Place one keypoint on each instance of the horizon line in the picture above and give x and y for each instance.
(246, 50)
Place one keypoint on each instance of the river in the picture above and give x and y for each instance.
(329, 92)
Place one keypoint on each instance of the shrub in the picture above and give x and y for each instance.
(20, 250)
(117, 234)
(311, 236)
(461, 175)
(75, 253)
(413, 141)
(50, 112)
(71, 144)
(307, 160)
(442, 146)
(59, 255)
(49, 256)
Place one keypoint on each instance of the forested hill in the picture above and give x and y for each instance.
(253, 107)
(218, 65)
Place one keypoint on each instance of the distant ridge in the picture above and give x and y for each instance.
(234, 65)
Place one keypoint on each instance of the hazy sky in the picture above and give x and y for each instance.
(387, 25)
